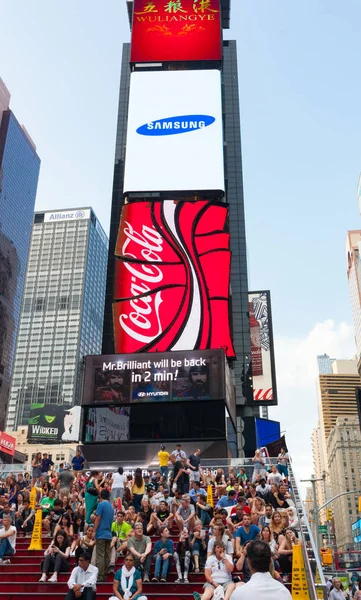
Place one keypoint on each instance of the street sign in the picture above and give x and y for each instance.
(322, 529)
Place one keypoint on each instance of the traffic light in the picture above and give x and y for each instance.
(329, 514)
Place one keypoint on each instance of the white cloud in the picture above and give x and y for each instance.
(297, 371)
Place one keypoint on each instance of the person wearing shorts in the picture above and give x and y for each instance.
(282, 461)
(193, 463)
(218, 572)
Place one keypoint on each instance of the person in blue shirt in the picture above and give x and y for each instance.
(78, 462)
(246, 533)
(229, 500)
(46, 463)
(162, 553)
(104, 517)
(196, 491)
(128, 581)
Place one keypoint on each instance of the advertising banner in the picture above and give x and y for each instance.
(266, 431)
(168, 376)
(107, 424)
(262, 349)
(54, 424)
(175, 132)
(172, 278)
(185, 30)
(7, 443)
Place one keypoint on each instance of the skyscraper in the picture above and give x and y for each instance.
(19, 173)
(233, 196)
(344, 455)
(325, 364)
(353, 248)
(62, 310)
(337, 395)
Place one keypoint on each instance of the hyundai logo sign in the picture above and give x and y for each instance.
(174, 125)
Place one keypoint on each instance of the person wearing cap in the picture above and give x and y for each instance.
(163, 457)
(185, 514)
(78, 462)
(46, 463)
(198, 384)
(226, 501)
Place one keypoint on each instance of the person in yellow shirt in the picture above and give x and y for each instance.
(163, 462)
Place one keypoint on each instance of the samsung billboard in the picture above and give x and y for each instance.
(175, 133)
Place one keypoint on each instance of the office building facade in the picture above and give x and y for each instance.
(234, 198)
(62, 311)
(320, 468)
(353, 248)
(337, 395)
(344, 460)
(325, 364)
(19, 173)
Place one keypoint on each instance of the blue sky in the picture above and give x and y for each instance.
(301, 131)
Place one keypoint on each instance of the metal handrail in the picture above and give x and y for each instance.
(304, 524)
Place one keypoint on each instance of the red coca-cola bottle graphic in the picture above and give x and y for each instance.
(256, 350)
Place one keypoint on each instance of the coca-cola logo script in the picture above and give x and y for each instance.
(172, 274)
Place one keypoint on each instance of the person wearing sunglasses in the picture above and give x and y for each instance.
(218, 571)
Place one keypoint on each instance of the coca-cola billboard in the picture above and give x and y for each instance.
(262, 349)
(172, 278)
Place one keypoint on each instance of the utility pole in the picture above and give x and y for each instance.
(315, 511)
(328, 524)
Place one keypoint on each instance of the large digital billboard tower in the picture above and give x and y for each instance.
(177, 268)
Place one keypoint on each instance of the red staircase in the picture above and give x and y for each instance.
(21, 577)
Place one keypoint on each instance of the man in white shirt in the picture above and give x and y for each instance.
(83, 579)
(261, 585)
(179, 453)
(7, 539)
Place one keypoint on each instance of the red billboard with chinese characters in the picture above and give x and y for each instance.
(7, 443)
(172, 278)
(180, 30)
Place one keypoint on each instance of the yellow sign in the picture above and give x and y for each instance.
(299, 581)
(36, 543)
(319, 591)
(210, 496)
(32, 501)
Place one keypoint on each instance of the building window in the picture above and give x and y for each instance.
(63, 302)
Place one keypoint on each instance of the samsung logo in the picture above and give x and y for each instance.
(174, 125)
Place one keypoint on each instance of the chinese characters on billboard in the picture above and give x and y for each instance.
(181, 30)
(262, 350)
(174, 133)
(172, 275)
(160, 377)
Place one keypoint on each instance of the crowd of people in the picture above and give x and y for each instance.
(242, 541)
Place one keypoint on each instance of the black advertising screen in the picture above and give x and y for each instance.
(157, 377)
(145, 422)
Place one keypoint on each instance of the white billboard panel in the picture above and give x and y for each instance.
(262, 349)
(175, 132)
